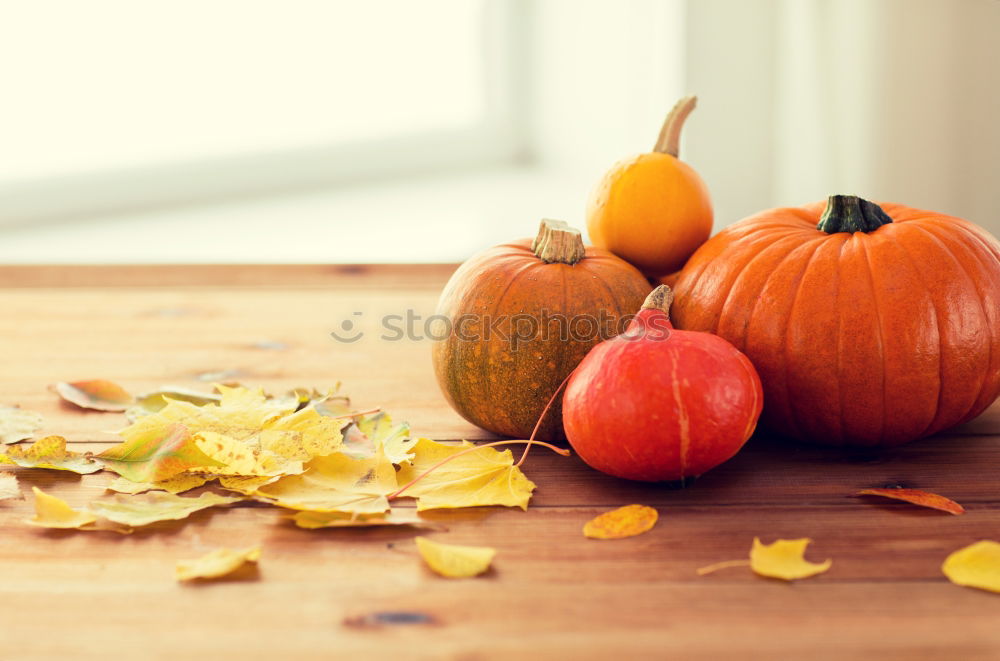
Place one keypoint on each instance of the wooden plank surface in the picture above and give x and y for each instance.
(552, 593)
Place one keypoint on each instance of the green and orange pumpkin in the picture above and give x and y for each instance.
(520, 317)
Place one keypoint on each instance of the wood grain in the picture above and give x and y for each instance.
(552, 593)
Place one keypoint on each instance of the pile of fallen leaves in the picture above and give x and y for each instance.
(306, 452)
(330, 466)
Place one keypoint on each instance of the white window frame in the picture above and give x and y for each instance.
(501, 138)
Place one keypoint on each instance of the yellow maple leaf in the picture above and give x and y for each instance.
(9, 487)
(975, 566)
(626, 521)
(238, 458)
(396, 517)
(218, 563)
(157, 454)
(784, 559)
(17, 424)
(336, 483)
(156, 506)
(483, 476)
(52, 512)
(50, 452)
(246, 485)
(302, 435)
(454, 561)
(176, 484)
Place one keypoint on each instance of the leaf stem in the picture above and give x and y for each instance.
(541, 417)
(355, 414)
(725, 564)
(398, 492)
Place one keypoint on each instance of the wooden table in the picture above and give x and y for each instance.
(552, 594)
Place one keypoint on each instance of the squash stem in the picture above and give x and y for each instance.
(850, 213)
(398, 492)
(669, 140)
(558, 242)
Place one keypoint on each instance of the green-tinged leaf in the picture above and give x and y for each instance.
(396, 517)
(152, 402)
(155, 506)
(17, 424)
(9, 487)
(156, 454)
(176, 484)
(337, 406)
(216, 564)
(95, 394)
(247, 416)
(483, 476)
(336, 483)
(454, 561)
(52, 512)
(365, 434)
(50, 452)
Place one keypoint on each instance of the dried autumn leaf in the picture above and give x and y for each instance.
(239, 459)
(363, 436)
(156, 506)
(336, 483)
(784, 559)
(52, 512)
(17, 424)
(9, 487)
(483, 476)
(249, 417)
(975, 566)
(156, 454)
(216, 564)
(334, 407)
(626, 521)
(176, 484)
(246, 485)
(151, 402)
(454, 561)
(405, 517)
(95, 394)
(50, 452)
(917, 497)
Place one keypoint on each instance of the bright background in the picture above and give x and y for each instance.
(395, 130)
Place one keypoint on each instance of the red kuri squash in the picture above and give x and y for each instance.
(657, 404)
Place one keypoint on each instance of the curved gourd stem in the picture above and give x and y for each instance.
(850, 213)
(669, 140)
(558, 242)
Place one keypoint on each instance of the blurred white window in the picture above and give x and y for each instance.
(136, 102)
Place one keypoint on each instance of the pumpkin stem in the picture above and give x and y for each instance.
(660, 298)
(850, 213)
(558, 242)
(669, 141)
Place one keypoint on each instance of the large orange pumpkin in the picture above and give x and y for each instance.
(521, 316)
(868, 325)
